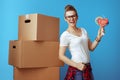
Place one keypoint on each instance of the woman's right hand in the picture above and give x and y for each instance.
(80, 66)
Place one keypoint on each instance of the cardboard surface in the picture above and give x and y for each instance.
(38, 27)
(51, 73)
(31, 54)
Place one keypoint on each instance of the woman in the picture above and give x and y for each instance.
(79, 44)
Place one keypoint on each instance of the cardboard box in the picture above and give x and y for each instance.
(31, 54)
(38, 27)
(51, 73)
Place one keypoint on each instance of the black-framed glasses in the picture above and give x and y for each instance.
(72, 16)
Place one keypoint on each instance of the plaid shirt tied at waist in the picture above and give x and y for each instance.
(72, 72)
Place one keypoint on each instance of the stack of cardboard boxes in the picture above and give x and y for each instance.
(35, 54)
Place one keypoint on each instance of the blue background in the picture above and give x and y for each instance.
(105, 59)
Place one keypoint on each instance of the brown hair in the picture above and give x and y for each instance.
(70, 8)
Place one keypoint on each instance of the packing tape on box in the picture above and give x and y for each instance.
(27, 16)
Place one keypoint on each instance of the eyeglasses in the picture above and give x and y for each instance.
(72, 16)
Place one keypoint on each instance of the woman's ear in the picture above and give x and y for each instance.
(77, 17)
(65, 19)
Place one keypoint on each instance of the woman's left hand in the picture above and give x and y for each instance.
(101, 31)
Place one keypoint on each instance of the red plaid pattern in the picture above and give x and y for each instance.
(72, 72)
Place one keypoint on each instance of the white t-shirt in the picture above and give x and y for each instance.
(78, 46)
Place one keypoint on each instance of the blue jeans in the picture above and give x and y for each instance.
(78, 75)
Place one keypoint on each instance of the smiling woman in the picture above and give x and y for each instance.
(104, 60)
(79, 44)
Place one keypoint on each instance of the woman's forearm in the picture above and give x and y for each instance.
(62, 57)
(67, 61)
(93, 45)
